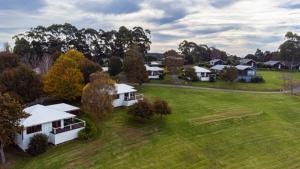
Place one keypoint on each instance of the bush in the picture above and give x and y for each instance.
(142, 110)
(257, 79)
(38, 144)
(161, 107)
(88, 132)
(191, 75)
(229, 74)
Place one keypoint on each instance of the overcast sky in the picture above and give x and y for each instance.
(236, 26)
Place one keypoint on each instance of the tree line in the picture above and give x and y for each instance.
(97, 45)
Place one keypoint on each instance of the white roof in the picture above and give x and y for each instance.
(219, 67)
(124, 88)
(148, 68)
(63, 107)
(155, 63)
(201, 69)
(243, 67)
(104, 69)
(40, 114)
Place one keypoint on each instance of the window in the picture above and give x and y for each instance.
(56, 124)
(33, 129)
(117, 96)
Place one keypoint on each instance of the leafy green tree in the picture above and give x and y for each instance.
(290, 49)
(161, 107)
(114, 66)
(134, 66)
(10, 116)
(229, 74)
(142, 110)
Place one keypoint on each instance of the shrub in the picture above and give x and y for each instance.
(88, 132)
(38, 144)
(142, 110)
(161, 107)
(229, 74)
(191, 75)
(257, 79)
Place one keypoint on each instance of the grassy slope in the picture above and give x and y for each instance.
(270, 139)
(272, 78)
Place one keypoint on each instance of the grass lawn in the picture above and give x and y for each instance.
(208, 129)
(273, 82)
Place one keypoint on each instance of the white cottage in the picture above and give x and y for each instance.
(154, 72)
(126, 95)
(53, 121)
(202, 73)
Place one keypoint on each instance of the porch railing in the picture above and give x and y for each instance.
(135, 97)
(76, 125)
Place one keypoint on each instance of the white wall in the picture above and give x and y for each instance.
(63, 137)
(204, 78)
(119, 102)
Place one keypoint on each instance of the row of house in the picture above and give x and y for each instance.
(59, 121)
(244, 72)
(253, 63)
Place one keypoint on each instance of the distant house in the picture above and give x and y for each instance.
(214, 62)
(245, 72)
(296, 66)
(154, 72)
(218, 68)
(105, 69)
(274, 64)
(202, 73)
(248, 62)
(126, 95)
(156, 64)
(53, 121)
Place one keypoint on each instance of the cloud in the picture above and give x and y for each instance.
(236, 26)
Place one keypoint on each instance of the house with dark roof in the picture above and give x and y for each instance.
(214, 62)
(248, 62)
(245, 72)
(274, 64)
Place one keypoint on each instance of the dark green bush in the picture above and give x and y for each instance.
(38, 144)
(88, 132)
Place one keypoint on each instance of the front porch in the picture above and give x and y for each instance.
(67, 132)
(132, 98)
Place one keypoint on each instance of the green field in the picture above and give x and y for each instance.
(208, 129)
(273, 82)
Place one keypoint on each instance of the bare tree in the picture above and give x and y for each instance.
(289, 82)
(6, 47)
(45, 63)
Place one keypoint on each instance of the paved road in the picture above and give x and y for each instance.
(216, 89)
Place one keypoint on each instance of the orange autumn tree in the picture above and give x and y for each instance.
(65, 80)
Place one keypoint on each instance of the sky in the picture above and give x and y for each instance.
(237, 26)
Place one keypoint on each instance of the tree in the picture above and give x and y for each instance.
(289, 82)
(97, 96)
(134, 66)
(142, 110)
(290, 49)
(8, 60)
(173, 62)
(10, 116)
(64, 80)
(161, 107)
(22, 81)
(87, 67)
(114, 66)
(229, 74)
(190, 74)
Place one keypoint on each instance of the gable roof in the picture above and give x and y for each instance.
(63, 107)
(124, 88)
(154, 68)
(271, 62)
(215, 60)
(243, 67)
(219, 67)
(201, 69)
(40, 114)
(245, 61)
